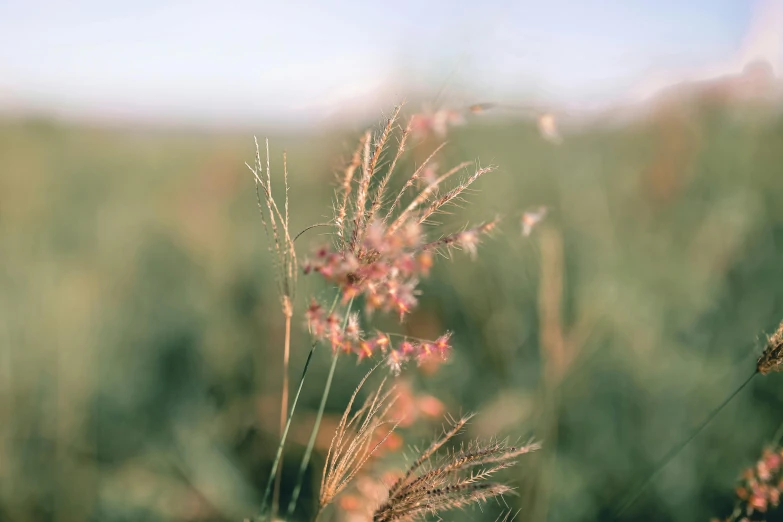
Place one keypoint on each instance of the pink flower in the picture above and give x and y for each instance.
(772, 460)
(468, 241)
(382, 341)
(407, 348)
(762, 471)
(395, 360)
(365, 349)
(442, 345)
(758, 502)
(352, 330)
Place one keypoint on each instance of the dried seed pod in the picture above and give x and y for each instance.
(772, 358)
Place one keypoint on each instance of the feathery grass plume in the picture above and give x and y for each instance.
(772, 358)
(342, 209)
(467, 240)
(281, 244)
(421, 197)
(455, 479)
(381, 251)
(355, 439)
(453, 193)
(284, 256)
(378, 254)
(381, 190)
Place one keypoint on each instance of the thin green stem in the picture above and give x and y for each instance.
(283, 437)
(676, 449)
(311, 443)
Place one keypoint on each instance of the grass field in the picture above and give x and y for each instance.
(140, 332)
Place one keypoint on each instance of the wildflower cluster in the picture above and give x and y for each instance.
(389, 274)
(381, 249)
(345, 334)
(760, 488)
(387, 268)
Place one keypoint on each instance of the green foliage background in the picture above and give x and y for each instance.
(140, 332)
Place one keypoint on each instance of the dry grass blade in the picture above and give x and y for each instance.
(281, 243)
(433, 484)
(342, 210)
(380, 192)
(426, 193)
(397, 222)
(453, 498)
(355, 439)
(361, 193)
(368, 170)
(381, 144)
(467, 239)
(456, 427)
(453, 193)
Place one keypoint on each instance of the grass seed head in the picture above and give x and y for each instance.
(772, 358)
(459, 477)
(356, 439)
(381, 249)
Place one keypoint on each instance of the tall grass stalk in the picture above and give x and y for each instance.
(319, 416)
(634, 495)
(284, 436)
(283, 406)
(281, 245)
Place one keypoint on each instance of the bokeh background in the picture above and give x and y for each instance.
(140, 330)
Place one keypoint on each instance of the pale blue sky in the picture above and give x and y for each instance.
(295, 60)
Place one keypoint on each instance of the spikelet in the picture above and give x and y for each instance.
(369, 165)
(453, 193)
(355, 439)
(367, 203)
(772, 358)
(281, 245)
(342, 210)
(467, 240)
(455, 479)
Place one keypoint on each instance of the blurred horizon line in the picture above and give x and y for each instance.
(349, 100)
